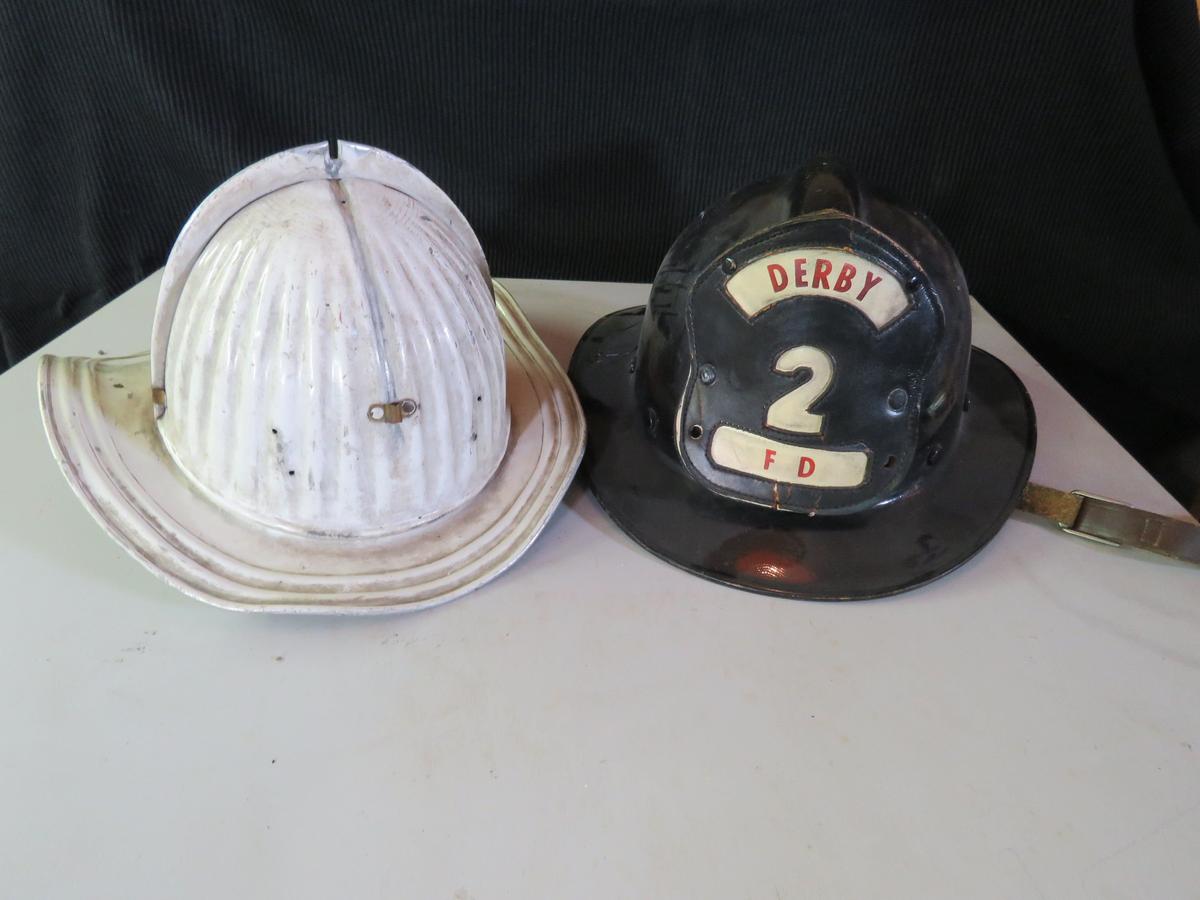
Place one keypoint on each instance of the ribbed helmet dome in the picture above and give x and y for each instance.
(327, 355)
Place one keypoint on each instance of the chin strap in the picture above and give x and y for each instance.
(1116, 524)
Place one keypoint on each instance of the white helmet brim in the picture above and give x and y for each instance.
(99, 417)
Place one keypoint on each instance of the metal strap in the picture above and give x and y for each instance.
(1113, 523)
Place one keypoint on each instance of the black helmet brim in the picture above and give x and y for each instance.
(957, 508)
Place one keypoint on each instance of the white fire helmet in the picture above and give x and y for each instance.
(339, 411)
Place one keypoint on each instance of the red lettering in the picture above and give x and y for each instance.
(768, 458)
(801, 274)
(807, 467)
(778, 277)
(844, 278)
(872, 280)
(821, 274)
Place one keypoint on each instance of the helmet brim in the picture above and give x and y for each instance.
(959, 505)
(99, 419)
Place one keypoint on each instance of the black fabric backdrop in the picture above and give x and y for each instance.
(1057, 144)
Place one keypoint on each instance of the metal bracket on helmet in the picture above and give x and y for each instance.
(392, 413)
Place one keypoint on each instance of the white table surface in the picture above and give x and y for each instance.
(596, 723)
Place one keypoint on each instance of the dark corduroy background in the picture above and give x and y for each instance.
(1057, 145)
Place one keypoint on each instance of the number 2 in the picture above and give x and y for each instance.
(790, 412)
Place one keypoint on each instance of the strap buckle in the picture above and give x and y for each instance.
(1113, 523)
(1084, 500)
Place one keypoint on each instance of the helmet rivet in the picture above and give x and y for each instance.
(652, 419)
(897, 400)
(728, 265)
(708, 374)
(935, 453)
(914, 282)
(966, 404)
(696, 432)
(936, 405)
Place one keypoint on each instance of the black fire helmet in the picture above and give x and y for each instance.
(798, 409)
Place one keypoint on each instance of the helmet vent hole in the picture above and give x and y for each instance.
(696, 432)
(890, 463)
